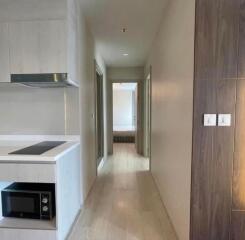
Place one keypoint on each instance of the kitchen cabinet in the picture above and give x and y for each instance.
(38, 46)
(4, 53)
(59, 166)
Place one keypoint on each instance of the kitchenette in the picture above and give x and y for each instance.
(40, 151)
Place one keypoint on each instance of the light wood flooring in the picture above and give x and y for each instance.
(124, 203)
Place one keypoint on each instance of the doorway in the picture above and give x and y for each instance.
(99, 117)
(125, 112)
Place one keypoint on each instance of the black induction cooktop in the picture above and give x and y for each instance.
(38, 148)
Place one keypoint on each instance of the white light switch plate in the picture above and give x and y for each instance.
(224, 120)
(210, 120)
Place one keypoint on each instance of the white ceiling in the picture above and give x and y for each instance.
(107, 18)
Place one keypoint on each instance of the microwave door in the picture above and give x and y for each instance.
(21, 204)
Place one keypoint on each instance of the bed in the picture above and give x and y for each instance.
(123, 134)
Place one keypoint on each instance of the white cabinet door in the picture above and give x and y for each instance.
(4, 53)
(53, 46)
(24, 47)
(38, 46)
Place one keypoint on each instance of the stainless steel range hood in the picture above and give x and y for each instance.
(43, 80)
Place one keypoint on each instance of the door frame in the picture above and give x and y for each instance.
(139, 127)
(97, 70)
(148, 115)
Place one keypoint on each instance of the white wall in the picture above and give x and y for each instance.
(31, 111)
(72, 111)
(83, 44)
(125, 73)
(122, 109)
(36, 111)
(172, 60)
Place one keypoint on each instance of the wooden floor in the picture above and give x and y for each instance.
(124, 203)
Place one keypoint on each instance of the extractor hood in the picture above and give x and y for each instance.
(43, 80)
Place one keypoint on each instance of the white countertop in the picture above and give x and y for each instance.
(11, 143)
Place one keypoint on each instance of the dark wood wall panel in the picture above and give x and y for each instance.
(216, 60)
(238, 206)
(238, 225)
(227, 39)
(241, 64)
(217, 27)
(206, 34)
(239, 156)
(212, 163)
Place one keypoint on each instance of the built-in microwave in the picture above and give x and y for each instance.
(29, 200)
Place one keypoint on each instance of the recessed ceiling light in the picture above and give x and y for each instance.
(124, 30)
(125, 54)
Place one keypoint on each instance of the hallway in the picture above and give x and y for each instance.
(124, 203)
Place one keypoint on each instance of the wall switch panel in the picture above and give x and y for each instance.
(224, 120)
(210, 120)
